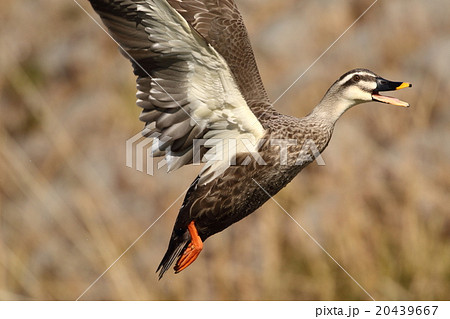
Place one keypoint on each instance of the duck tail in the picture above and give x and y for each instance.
(177, 246)
(181, 237)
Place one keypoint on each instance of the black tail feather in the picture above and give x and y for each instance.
(177, 245)
(179, 239)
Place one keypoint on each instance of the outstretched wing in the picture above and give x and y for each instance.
(185, 87)
(221, 24)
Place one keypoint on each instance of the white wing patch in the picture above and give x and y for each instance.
(215, 103)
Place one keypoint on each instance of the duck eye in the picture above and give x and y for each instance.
(356, 78)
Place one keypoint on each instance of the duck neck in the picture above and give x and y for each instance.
(329, 110)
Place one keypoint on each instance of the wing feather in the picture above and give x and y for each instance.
(185, 87)
(221, 24)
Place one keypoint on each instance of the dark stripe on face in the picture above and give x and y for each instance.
(362, 78)
(355, 71)
(364, 74)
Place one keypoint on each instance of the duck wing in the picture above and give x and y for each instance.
(186, 88)
(221, 24)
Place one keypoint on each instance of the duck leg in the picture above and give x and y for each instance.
(192, 251)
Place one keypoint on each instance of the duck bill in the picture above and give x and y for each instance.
(385, 85)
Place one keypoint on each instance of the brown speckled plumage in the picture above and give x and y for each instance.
(188, 65)
(221, 24)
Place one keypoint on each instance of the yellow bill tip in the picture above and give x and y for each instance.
(403, 85)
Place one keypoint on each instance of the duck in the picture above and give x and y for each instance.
(202, 97)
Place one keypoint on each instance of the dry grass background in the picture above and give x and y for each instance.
(69, 205)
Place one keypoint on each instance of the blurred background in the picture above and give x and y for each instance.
(69, 206)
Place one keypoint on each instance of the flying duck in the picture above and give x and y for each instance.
(197, 80)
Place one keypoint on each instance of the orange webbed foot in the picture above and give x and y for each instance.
(192, 251)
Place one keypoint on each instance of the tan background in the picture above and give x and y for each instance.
(69, 205)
